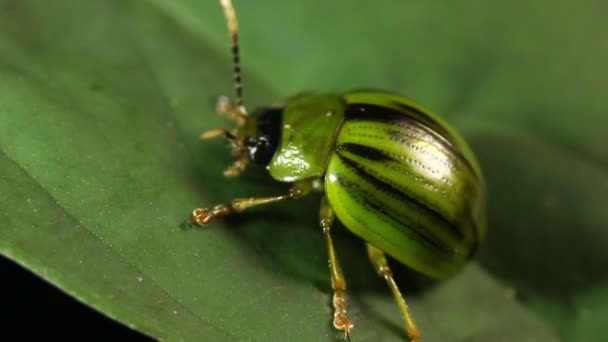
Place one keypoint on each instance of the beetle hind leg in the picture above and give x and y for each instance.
(378, 260)
(341, 320)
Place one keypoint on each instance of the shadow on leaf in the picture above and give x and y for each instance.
(547, 222)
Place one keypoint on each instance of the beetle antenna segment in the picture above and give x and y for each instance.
(233, 28)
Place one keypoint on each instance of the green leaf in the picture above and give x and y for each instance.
(102, 102)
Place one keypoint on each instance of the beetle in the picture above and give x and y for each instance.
(392, 172)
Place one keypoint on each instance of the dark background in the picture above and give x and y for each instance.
(31, 307)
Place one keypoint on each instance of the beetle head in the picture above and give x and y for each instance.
(254, 140)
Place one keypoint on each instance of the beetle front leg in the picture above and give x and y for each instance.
(205, 216)
(341, 320)
(233, 113)
(378, 260)
(240, 157)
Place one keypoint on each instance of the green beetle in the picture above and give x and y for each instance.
(392, 172)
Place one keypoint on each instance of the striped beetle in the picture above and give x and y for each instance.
(392, 172)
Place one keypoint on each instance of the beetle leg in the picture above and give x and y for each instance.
(205, 216)
(341, 320)
(239, 164)
(230, 111)
(378, 260)
(240, 157)
(237, 115)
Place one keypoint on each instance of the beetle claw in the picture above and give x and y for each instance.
(200, 216)
(343, 323)
(347, 334)
(413, 334)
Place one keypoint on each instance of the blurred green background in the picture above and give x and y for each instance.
(102, 102)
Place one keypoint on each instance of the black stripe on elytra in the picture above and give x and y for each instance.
(372, 153)
(425, 119)
(375, 112)
(411, 115)
(388, 188)
(428, 241)
(441, 248)
(365, 152)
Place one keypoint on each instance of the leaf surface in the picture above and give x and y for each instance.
(102, 102)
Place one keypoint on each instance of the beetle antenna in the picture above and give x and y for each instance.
(233, 29)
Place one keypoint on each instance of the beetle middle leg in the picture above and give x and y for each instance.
(205, 216)
(378, 260)
(341, 320)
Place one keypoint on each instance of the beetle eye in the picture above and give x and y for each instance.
(262, 146)
(259, 149)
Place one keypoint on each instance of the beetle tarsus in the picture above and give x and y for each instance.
(341, 320)
(413, 335)
(239, 165)
(204, 216)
